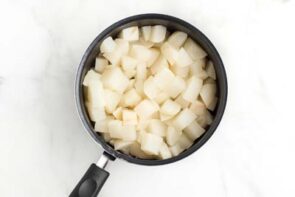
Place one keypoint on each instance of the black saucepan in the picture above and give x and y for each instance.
(94, 178)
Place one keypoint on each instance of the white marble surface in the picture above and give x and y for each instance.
(44, 149)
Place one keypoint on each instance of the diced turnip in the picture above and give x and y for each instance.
(193, 88)
(130, 33)
(142, 124)
(111, 99)
(146, 32)
(130, 84)
(159, 64)
(150, 88)
(95, 93)
(180, 71)
(197, 69)
(172, 135)
(158, 33)
(198, 107)
(153, 57)
(182, 102)
(165, 152)
(161, 97)
(175, 87)
(138, 85)
(184, 141)
(95, 113)
(136, 151)
(210, 70)
(114, 57)
(183, 59)
(122, 46)
(151, 143)
(108, 45)
(114, 79)
(118, 113)
(128, 63)
(122, 144)
(169, 52)
(140, 53)
(194, 131)
(129, 117)
(131, 98)
(101, 126)
(170, 108)
(119, 131)
(146, 108)
(164, 117)
(106, 137)
(177, 39)
(194, 50)
(157, 127)
(205, 119)
(141, 71)
(213, 104)
(208, 93)
(176, 149)
(91, 75)
(163, 78)
(183, 119)
(100, 64)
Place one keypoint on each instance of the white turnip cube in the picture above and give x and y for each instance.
(140, 53)
(129, 117)
(151, 143)
(108, 45)
(122, 144)
(141, 71)
(138, 85)
(172, 135)
(177, 39)
(193, 88)
(175, 87)
(182, 72)
(176, 149)
(205, 119)
(114, 79)
(198, 107)
(131, 98)
(118, 113)
(146, 108)
(194, 131)
(184, 141)
(100, 64)
(161, 97)
(159, 64)
(165, 152)
(194, 50)
(95, 113)
(119, 131)
(213, 104)
(183, 59)
(158, 33)
(128, 63)
(153, 56)
(157, 127)
(170, 108)
(130, 33)
(183, 119)
(150, 88)
(208, 93)
(95, 93)
(111, 99)
(122, 46)
(163, 78)
(146, 32)
(169, 52)
(91, 75)
(182, 102)
(210, 70)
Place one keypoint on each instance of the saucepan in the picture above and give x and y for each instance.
(94, 178)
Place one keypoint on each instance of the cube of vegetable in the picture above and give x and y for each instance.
(164, 117)
(213, 104)
(101, 126)
(114, 57)
(114, 79)
(165, 152)
(183, 119)
(205, 119)
(210, 70)
(198, 107)
(170, 108)
(175, 87)
(197, 69)
(136, 151)
(119, 131)
(122, 144)
(118, 113)
(95, 113)
(122, 46)
(177, 39)
(91, 75)
(128, 63)
(111, 99)
(153, 56)
(183, 59)
(146, 32)
(150, 88)
(138, 85)
(151, 143)
(130, 33)
(130, 84)
(100, 64)
(146, 108)
(163, 78)
(172, 135)
(158, 33)
(140, 53)
(129, 117)
(208, 93)
(194, 130)
(184, 141)
(161, 97)
(194, 86)
(95, 93)
(169, 52)
(157, 127)
(180, 71)
(183, 103)
(131, 98)
(108, 45)
(141, 71)
(194, 50)
(159, 64)
(176, 149)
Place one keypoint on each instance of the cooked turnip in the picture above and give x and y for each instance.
(150, 92)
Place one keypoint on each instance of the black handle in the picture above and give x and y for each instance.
(91, 183)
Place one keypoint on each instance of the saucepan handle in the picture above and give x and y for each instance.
(93, 180)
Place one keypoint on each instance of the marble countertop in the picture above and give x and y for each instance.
(44, 149)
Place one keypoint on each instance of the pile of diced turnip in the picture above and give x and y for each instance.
(151, 92)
